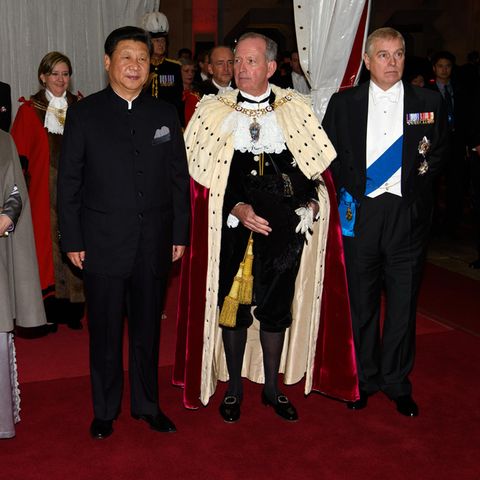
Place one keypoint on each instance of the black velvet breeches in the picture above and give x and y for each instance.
(273, 290)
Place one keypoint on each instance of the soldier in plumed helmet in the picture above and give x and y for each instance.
(165, 73)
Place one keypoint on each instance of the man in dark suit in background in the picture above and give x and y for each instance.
(474, 159)
(5, 107)
(296, 78)
(220, 67)
(390, 139)
(458, 103)
(123, 213)
(201, 73)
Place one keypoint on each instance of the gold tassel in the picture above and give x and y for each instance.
(245, 294)
(242, 287)
(228, 314)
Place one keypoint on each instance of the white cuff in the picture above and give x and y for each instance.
(232, 221)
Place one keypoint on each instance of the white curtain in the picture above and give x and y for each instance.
(31, 28)
(326, 31)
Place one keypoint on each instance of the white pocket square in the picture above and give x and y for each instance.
(161, 135)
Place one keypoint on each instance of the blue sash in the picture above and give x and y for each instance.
(384, 166)
(347, 208)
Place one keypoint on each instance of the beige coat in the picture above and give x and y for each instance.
(210, 151)
(20, 295)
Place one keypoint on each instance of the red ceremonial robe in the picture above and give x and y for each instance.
(32, 142)
(332, 375)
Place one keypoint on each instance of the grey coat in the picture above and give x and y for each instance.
(20, 296)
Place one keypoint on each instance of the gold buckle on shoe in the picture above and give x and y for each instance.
(230, 400)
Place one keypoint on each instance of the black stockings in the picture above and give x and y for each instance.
(234, 342)
(272, 346)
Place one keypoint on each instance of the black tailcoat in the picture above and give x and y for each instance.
(390, 232)
(346, 125)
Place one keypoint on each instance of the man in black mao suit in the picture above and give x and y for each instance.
(123, 212)
(5, 107)
(390, 140)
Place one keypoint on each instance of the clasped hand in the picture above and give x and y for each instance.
(245, 213)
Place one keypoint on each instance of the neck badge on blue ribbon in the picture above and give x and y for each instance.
(347, 209)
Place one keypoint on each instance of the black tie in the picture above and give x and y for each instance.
(270, 98)
(449, 104)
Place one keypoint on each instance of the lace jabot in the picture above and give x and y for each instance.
(239, 123)
(56, 111)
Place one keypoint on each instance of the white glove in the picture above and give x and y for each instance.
(306, 221)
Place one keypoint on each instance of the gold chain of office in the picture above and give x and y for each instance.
(255, 113)
(60, 113)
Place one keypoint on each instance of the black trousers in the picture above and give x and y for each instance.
(388, 251)
(140, 296)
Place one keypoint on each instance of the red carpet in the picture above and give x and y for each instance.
(329, 442)
(451, 298)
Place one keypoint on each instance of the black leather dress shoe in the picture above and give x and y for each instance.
(360, 403)
(406, 406)
(230, 408)
(100, 429)
(50, 327)
(283, 408)
(74, 313)
(75, 324)
(159, 422)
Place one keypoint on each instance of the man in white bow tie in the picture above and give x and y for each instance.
(390, 140)
(123, 196)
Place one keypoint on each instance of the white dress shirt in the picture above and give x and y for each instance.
(221, 89)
